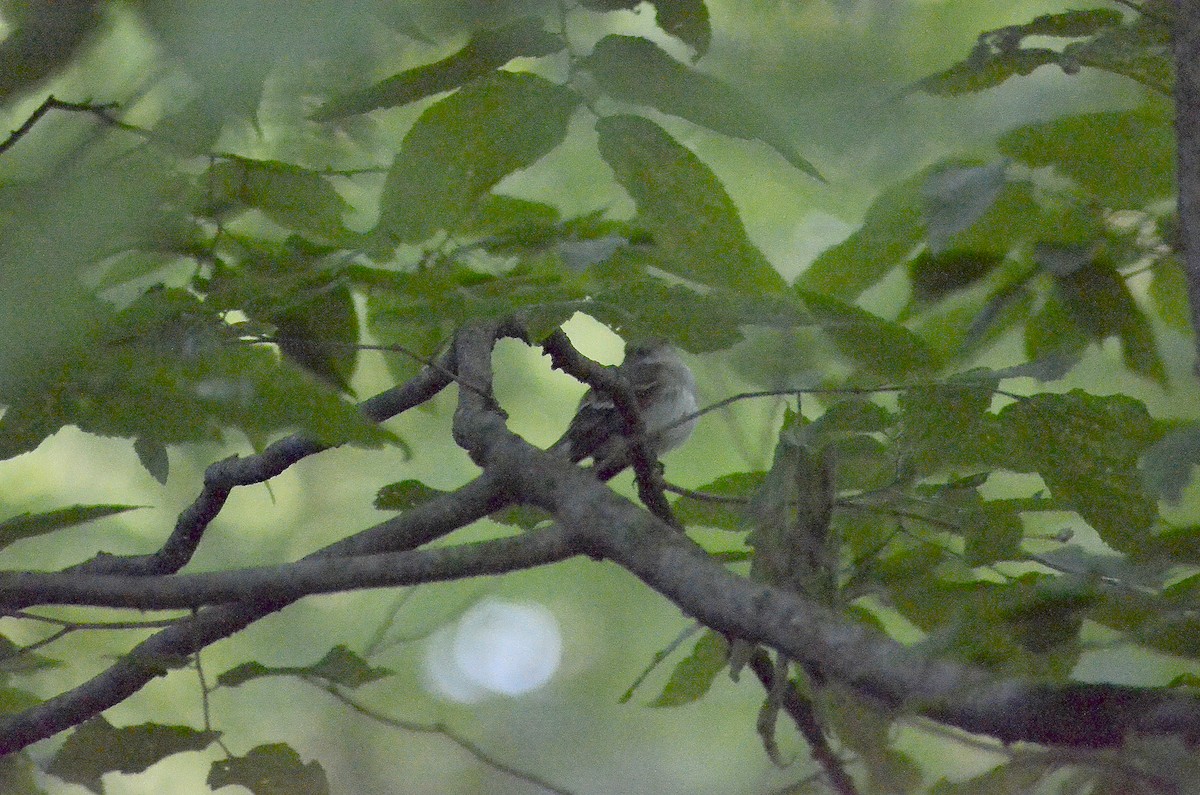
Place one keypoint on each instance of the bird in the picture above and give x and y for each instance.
(665, 391)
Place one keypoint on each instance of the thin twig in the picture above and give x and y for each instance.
(437, 727)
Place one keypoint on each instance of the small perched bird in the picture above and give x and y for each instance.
(666, 393)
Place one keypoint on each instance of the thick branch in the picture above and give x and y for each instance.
(1187, 135)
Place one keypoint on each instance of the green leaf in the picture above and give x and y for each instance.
(171, 373)
(404, 494)
(727, 511)
(1093, 149)
(694, 674)
(484, 52)
(16, 660)
(1167, 466)
(998, 54)
(339, 666)
(633, 69)
(1086, 449)
(270, 770)
(695, 226)
(18, 775)
(31, 525)
(686, 20)
(883, 347)
(636, 305)
(892, 228)
(1100, 303)
(319, 332)
(97, 747)
(152, 456)
(463, 145)
(1168, 290)
(947, 426)
(288, 194)
(958, 196)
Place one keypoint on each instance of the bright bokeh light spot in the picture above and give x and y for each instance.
(496, 648)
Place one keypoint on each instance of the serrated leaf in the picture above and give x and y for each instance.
(180, 380)
(484, 52)
(97, 747)
(883, 347)
(893, 227)
(694, 674)
(153, 457)
(461, 146)
(1086, 449)
(695, 226)
(947, 426)
(270, 770)
(636, 70)
(727, 511)
(643, 306)
(1092, 149)
(31, 525)
(288, 194)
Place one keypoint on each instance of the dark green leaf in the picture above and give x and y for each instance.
(1086, 450)
(31, 525)
(1093, 149)
(463, 145)
(289, 195)
(153, 457)
(883, 347)
(696, 228)
(635, 70)
(1168, 464)
(694, 674)
(15, 660)
(319, 332)
(686, 20)
(1100, 303)
(934, 276)
(340, 666)
(18, 775)
(245, 672)
(404, 494)
(892, 229)
(1168, 289)
(958, 196)
(484, 52)
(947, 426)
(270, 770)
(644, 306)
(97, 747)
(727, 510)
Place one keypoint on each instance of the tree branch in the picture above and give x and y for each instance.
(223, 476)
(290, 582)
(1186, 48)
